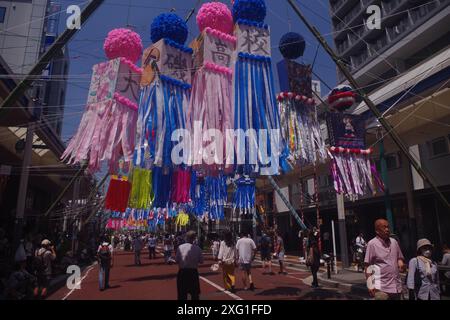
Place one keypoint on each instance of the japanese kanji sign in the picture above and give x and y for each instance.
(253, 40)
(113, 77)
(166, 60)
(209, 48)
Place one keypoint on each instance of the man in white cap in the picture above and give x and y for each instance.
(42, 265)
(105, 262)
(423, 274)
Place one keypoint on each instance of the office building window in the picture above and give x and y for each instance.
(2, 14)
(392, 162)
(438, 147)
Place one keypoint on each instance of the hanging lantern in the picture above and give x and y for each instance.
(341, 98)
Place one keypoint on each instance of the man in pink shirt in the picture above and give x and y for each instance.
(384, 261)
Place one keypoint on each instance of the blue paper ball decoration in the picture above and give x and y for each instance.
(170, 26)
(253, 10)
(292, 45)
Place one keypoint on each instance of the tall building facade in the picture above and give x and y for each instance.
(27, 29)
(410, 32)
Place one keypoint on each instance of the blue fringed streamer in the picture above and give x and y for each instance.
(244, 196)
(161, 184)
(217, 196)
(256, 108)
(209, 195)
(161, 112)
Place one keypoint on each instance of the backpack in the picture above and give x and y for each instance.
(38, 265)
(265, 243)
(104, 254)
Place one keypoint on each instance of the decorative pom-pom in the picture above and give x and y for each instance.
(215, 15)
(253, 10)
(123, 43)
(292, 45)
(169, 26)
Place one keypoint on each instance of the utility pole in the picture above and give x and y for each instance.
(342, 231)
(384, 176)
(387, 126)
(23, 187)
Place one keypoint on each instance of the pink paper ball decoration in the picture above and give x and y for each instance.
(123, 43)
(215, 15)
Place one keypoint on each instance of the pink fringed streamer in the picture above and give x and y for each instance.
(215, 15)
(106, 133)
(211, 108)
(181, 184)
(354, 174)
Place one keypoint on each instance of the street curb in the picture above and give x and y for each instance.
(358, 289)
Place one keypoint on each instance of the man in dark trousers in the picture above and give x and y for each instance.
(105, 262)
(188, 257)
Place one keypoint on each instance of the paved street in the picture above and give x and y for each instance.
(155, 280)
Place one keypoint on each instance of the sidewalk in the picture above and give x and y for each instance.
(346, 280)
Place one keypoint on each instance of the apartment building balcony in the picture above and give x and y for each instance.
(354, 18)
(360, 59)
(391, 7)
(428, 21)
(339, 7)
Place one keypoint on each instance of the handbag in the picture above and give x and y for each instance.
(417, 277)
(310, 258)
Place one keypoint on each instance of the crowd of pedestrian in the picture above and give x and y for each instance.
(28, 268)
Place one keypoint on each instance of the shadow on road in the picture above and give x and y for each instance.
(154, 277)
(323, 294)
(280, 291)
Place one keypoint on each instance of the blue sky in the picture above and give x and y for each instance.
(86, 48)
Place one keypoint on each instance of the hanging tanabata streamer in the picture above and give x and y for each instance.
(108, 126)
(118, 190)
(353, 171)
(210, 106)
(301, 130)
(244, 196)
(163, 102)
(209, 196)
(255, 106)
(166, 84)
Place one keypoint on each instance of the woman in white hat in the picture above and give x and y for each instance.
(423, 275)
